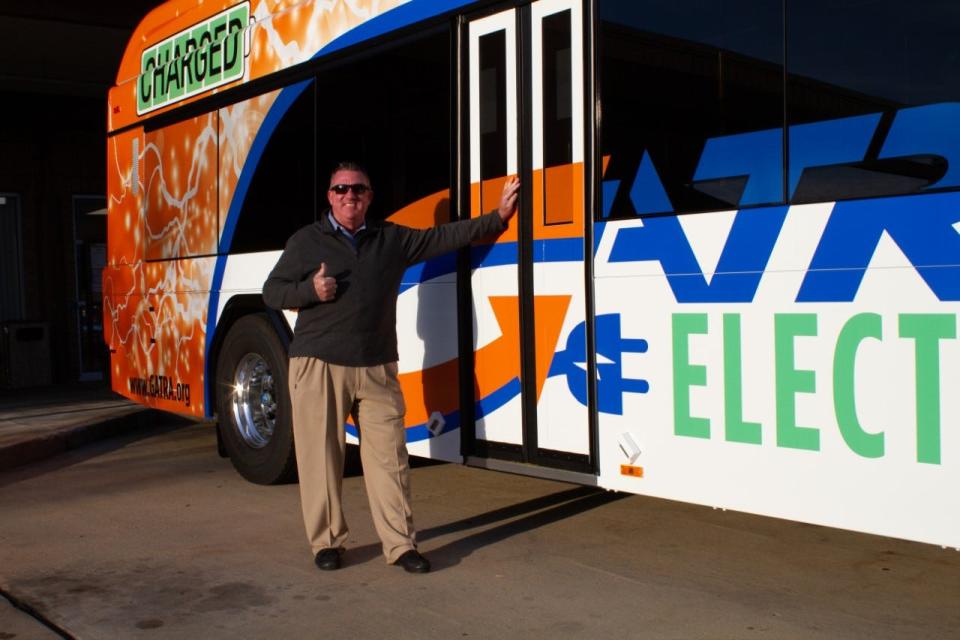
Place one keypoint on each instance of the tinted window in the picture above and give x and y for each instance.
(391, 113)
(280, 197)
(854, 70)
(558, 199)
(691, 105)
(887, 52)
(557, 91)
(493, 106)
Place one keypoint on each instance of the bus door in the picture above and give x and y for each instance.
(522, 114)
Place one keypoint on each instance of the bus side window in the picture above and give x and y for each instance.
(282, 187)
(396, 124)
(678, 79)
(871, 61)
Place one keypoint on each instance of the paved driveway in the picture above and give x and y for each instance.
(155, 536)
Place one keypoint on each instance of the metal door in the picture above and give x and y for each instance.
(523, 114)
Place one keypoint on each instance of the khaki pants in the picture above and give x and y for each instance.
(323, 395)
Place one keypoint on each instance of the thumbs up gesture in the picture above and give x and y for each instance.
(325, 286)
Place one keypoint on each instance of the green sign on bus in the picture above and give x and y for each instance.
(206, 55)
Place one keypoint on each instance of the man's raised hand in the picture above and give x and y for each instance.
(508, 199)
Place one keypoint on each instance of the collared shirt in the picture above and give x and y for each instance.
(342, 229)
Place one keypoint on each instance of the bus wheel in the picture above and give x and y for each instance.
(253, 403)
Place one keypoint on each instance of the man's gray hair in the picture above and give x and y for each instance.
(348, 165)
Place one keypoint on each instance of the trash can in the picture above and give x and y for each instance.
(25, 354)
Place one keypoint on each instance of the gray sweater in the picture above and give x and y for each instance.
(359, 327)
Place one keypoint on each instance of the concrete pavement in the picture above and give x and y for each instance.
(41, 422)
(153, 535)
(20, 625)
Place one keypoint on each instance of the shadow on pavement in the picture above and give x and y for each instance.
(452, 553)
(542, 511)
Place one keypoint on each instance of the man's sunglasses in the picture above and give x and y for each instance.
(358, 189)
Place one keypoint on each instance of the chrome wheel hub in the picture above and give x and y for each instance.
(254, 401)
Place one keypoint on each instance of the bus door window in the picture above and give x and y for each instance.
(494, 82)
(555, 181)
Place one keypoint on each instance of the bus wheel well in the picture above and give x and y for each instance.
(254, 416)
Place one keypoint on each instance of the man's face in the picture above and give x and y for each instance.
(349, 208)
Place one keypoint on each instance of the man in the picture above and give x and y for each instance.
(343, 274)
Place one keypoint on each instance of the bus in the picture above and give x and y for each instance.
(733, 279)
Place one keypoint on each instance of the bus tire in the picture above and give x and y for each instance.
(253, 402)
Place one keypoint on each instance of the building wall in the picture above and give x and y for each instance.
(52, 148)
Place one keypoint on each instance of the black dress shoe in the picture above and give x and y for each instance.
(328, 559)
(413, 562)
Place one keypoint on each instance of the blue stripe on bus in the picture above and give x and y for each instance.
(500, 397)
(396, 18)
(598, 229)
(424, 271)
(495, 255)
(280, 106)
(419, 432)
(482, 408)
(560, 250)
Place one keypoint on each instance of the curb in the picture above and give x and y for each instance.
(57, 442)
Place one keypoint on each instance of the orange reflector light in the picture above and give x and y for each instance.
(629, 470)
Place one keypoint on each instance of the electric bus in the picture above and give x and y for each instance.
(734, 275)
